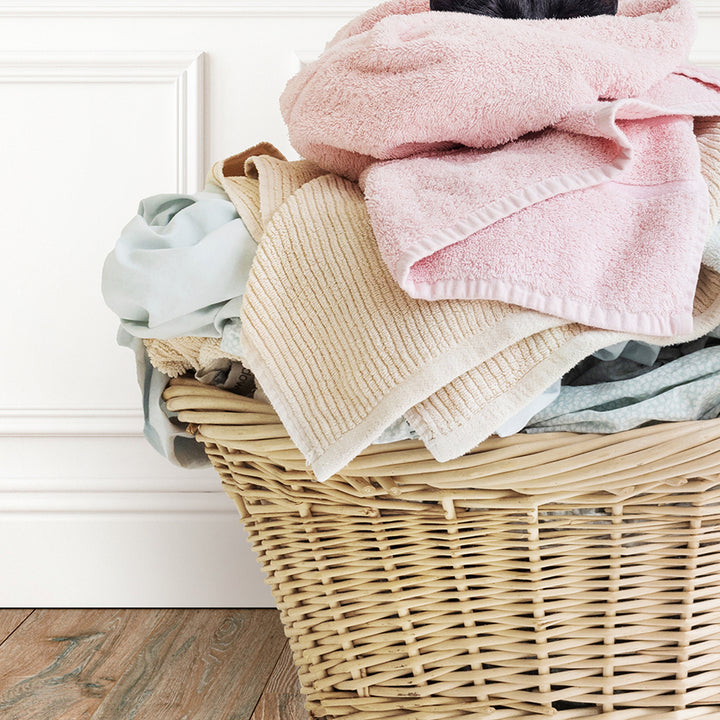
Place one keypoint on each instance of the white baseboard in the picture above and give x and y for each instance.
(106, 522)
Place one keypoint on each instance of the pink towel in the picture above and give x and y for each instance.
(549, 164)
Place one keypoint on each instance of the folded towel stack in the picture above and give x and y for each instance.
(341, 350)
(574, 185)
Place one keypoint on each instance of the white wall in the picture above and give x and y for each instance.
(101, 104)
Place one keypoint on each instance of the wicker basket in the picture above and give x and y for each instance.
(556, 574)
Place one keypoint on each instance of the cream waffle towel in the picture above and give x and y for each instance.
(342, 351)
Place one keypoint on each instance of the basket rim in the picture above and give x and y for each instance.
(620, 464)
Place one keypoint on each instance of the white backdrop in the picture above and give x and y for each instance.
(101, 104)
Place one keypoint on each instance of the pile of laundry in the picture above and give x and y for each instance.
(497, 226)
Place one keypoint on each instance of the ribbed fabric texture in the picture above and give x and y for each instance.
(488, 395)
(707, 131)
(339, 348)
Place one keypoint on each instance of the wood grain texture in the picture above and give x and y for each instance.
(210, 664)
(146, 664)
(59, 665)
(10, 620)
(281, 699)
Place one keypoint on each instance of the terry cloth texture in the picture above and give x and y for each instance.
(598, 216)
(341, 351)
(707, 132)
(176, 356)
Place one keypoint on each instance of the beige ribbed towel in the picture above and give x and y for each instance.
(342, 351)
(469, 408)
(707, 132)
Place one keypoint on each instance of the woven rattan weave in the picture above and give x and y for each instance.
(555, 574)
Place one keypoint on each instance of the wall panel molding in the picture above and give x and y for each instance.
(187, 8)
(220, 8)
(77, 463)
(707, 8)
(711, 58)
(184, 71)
(60, 422)
(126, 550)
(106, 522)
(157, 504)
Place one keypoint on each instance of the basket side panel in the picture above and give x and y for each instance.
(437, 609)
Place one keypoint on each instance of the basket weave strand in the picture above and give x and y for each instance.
(557, 574)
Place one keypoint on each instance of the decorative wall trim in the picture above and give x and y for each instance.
(123, 503)
(135, 550)
(220, 8)
(185, 71)
(707, 8)
(61, 422)
(188, 8)
(710, 58)
(190, 88)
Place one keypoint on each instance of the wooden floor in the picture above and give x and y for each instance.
(146, 665)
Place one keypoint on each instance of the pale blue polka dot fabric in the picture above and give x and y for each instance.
(687, 388)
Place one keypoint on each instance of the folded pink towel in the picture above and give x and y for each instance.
(549, 164)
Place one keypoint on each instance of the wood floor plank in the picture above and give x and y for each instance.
(281, 698)
(10, 620)
(198, 665)
(60, 664)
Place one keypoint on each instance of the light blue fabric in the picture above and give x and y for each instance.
(161, 428)
(634, 360)
(518, 421)
(687, 388)
(640, 352)
(180, 267)
(612, 352)
(396, 431)
(230, 342)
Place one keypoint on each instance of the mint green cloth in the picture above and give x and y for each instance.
(180, 267)
(161, 428)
